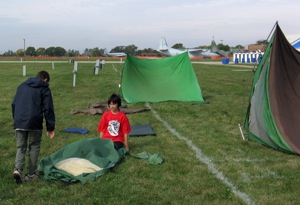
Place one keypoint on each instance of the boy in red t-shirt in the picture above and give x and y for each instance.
(114, 124)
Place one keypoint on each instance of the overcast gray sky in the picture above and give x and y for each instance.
(80, 24)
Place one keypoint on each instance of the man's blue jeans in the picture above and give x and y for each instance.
(32, 139)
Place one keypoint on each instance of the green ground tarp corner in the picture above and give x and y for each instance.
(100, 152)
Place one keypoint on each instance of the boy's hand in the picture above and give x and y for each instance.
(51, 134)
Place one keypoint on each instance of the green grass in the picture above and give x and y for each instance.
(263, 175)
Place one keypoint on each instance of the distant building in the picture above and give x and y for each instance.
(253, 52)
(255, 47)
(294, 40)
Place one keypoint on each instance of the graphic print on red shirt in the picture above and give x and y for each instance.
(113, 127)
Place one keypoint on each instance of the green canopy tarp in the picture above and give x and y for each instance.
(157, 80)
(98, 151)
(273, 115)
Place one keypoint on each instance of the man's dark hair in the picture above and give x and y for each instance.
(43, 75)
(115, 99)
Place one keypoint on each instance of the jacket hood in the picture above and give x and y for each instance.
(36, 82)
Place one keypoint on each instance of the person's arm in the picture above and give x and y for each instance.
(48, 109)
(126, 142)
(102, 126)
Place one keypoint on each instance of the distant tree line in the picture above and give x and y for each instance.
(92, 52)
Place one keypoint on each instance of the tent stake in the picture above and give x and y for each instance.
(242, 132)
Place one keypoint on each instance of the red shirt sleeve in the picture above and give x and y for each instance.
(126, 125)
(102, 126)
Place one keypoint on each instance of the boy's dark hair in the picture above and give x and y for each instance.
(115, 99)
(43, 75)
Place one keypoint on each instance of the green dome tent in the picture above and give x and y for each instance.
(157, 80)
(273, 115)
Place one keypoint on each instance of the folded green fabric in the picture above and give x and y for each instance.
(98, 151)
(151, 158)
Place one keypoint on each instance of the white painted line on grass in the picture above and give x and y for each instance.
(204, 159)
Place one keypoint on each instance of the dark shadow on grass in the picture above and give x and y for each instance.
(206, 101)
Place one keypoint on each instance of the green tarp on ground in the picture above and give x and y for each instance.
(273, 115)
(157, 80)
(100, 152)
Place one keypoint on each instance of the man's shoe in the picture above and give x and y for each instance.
(31, 177)
(18, 177)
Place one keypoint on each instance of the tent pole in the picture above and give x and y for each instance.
(242, 132)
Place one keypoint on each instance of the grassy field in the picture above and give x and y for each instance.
(206, 160)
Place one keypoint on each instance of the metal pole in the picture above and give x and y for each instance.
(24, 70)
(97, 67)
(24, 49)
(74, 73)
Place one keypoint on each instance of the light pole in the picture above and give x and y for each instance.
(24, 49)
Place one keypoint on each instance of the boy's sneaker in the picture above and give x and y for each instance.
(18, 177)
(31, 177)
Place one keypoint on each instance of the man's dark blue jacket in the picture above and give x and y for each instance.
(32, 101)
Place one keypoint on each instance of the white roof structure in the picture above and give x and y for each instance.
(294, 40)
